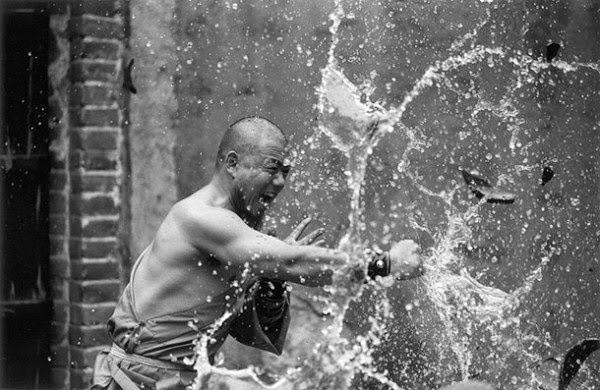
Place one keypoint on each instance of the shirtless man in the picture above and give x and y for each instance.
(208, 263)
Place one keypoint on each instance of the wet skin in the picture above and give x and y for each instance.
(210, 239)
(207, 240)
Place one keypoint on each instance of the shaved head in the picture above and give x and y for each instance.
(247, 135)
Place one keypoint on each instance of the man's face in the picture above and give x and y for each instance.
(261, 176)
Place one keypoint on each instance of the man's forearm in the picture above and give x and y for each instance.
(309, 274)
(314, 266)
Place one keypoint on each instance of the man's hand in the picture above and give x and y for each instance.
(310, 239)
(406, 260)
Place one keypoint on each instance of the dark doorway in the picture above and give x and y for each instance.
(25, 305)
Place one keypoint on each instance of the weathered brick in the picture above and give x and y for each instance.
(59, 332)
(100, 228)
(56, 133)
(84, 94)
(91, 248)
(55, 110)
(57, 161)
(94, 204)
(96, 26)
(91, 314)
(88, 335)
(60, 378)
(58, 179)
(93, 291)
(57, 224)
(75, 224)
(94, 160)
(104, 8)
(93, 182)
(58, 246)
(96, 70)
(94, 269)
(60, 311)
(95, 139)
(85, 357)
(81, 378)
(59, 266)
(57, 202)
(60, 288)
(94, 116)
(95, 227)
(59, 355)
(94, 48)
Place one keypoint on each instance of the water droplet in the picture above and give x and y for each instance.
(208, 299)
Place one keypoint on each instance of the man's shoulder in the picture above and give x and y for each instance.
(201, 224)
(195, 212)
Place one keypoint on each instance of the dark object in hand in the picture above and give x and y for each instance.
(271, 288)
(547, 175)
(574, 359)
(552, 51)
(127, 80)
(271, 299)
(482, 188)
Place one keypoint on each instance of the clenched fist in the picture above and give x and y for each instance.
(406, 260)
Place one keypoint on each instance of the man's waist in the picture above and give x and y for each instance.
(119, 353)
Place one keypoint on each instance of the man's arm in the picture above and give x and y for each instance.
(224, 235)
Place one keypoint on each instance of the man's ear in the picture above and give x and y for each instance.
(231, 162)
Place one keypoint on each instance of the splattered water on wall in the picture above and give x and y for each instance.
(391, 106)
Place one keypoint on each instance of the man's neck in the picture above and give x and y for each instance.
(221, 195)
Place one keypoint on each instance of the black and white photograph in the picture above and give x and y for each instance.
(300, 194)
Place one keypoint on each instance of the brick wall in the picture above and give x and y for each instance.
(87, 213)
(58, 101)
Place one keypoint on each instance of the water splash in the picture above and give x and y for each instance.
(355, 124)
(466, 309)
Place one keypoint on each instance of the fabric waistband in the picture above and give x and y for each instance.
(119, 353)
